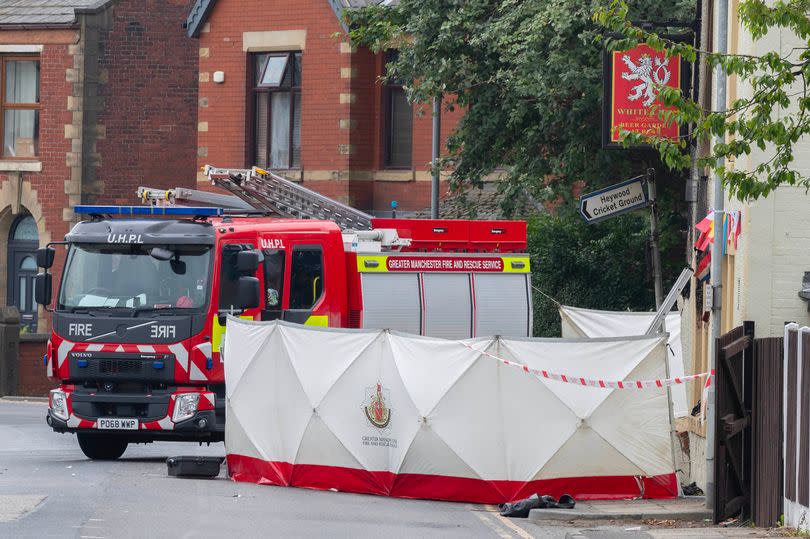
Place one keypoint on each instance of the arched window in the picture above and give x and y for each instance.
(25, 229)
(23, 242)
(28, 263)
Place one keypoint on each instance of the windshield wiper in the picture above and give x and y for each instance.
(92, 311)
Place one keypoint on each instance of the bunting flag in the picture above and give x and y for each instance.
(706, 229)
(706, 223)
(703, 268)
(732, 227)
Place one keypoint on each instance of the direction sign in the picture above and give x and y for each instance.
(614, 200)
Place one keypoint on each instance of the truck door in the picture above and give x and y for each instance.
(306, 285)
(294, 284)
(229, 276)
(228, 287)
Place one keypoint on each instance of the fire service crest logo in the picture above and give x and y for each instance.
(376, 406)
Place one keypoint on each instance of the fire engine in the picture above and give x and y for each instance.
(139, 317)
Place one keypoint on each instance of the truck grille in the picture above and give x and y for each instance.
(122, 367)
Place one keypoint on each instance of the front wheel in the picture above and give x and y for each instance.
(97, 447)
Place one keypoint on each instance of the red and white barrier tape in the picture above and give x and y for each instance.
(704, 397)
(608, 384)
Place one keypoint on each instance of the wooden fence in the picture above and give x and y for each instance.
(766, 418)
(748, 431)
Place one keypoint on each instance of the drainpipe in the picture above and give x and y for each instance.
(716, 277)
(437, 137)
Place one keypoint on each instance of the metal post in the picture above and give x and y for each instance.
(437, 130)
(656, 249)
(716, 253)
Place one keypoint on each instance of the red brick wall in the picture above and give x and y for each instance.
(410, 196)
(149, 99)
(366, 113)
(149, 91)
(225, 105)
(54, 91)
(226, 111)
(49, 184)
(53, 146)
(32, 379)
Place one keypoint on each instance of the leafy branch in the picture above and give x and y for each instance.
(768, 121)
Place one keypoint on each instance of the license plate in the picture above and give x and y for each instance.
(117, 423)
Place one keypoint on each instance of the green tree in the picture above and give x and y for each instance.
(773, 117)
(591, 266)
(529, 76)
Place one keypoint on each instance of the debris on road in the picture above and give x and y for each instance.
(520, 509)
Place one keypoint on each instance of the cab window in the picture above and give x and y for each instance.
(306, 277)
(229, 276)
(273, 278)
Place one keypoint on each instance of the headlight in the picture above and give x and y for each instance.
(59, 407)
(185, 406)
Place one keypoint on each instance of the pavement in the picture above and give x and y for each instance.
(688, 508)
(681, 517)
(49, 489)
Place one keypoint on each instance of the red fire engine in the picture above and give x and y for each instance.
(140, 312)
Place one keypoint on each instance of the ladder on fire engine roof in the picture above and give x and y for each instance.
(179, 195)
(269, 192)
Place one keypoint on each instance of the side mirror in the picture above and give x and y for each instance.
(248, 292)
(248, 261)
(45, 257)
(43, 288)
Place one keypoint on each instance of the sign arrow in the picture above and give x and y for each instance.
(585, 210)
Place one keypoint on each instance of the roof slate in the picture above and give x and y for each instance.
(485, 203)
(43, 12)
(201, 8)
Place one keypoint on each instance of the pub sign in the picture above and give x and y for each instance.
(632, 79)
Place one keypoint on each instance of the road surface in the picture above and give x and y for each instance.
(49, 489)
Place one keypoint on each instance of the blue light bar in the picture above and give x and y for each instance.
(148, 210)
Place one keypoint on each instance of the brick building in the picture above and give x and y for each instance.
(279, 88)
(98, 97)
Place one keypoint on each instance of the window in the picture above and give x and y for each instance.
(306, 277)
(273, 279)
(127, 276)
(20, 106)
(22, 245)
(229, 277)
(398, 121)
(276, 97)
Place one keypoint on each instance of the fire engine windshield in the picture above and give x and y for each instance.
(139, 277)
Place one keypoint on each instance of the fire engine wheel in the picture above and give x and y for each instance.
(101, 447)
